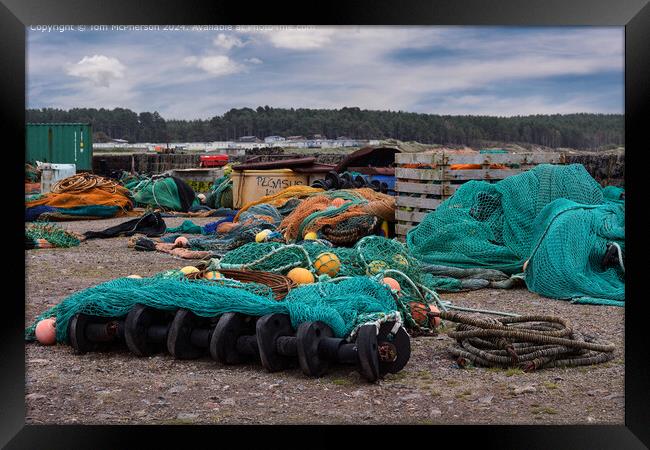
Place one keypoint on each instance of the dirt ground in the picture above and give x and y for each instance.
(120, 388)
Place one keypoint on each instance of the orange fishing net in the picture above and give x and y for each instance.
(94, 196)
(281, 197)
(475, 166)
(374, 204)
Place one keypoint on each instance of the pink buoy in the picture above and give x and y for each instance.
(46, 331)
(181, 241)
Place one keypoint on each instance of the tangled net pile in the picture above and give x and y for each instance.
(528, 342)
(556, 217)
(44, 235)
(343, 305)
(373, 256)
(342, 222)
(80, 196)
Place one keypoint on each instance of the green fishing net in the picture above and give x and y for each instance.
(342, 305)
(52, 233)
(501, 225)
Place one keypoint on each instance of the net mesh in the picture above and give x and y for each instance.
(342, 305)
(500, 226)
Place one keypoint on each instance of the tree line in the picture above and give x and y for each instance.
(580, 131)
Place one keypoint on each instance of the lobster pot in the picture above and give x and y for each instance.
(51, 173)
(425, 180)
(251, 185)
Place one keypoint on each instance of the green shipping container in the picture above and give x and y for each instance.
(60, 143)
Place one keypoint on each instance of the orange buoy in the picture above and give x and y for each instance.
(301, 276)
(213, 275)
(46, 331)
(327, 263)
(419, 313)
(392, 283)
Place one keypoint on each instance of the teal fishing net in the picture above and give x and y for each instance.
(501, 225)
(52, 233)
(342, 305)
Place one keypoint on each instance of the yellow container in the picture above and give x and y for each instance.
(251, 185)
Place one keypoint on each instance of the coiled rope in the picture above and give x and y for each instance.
(83, 182)
(528, 342)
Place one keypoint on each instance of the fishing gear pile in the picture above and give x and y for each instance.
(554, 224)
(80, 196)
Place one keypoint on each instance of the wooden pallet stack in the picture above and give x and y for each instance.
(425, 180)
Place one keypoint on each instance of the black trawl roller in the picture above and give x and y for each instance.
(145, 330)
(239, 338)
(88, 333)
(189, 335)
(374, 353)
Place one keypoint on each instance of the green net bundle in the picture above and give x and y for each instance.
(497, 226)
(372, 256)
(342, 305)
(570, 244)
(52, 233)
(162, 193)
(220, 195)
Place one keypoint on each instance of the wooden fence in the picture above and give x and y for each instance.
(425, 180)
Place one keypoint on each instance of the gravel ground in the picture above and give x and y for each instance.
(119, 388)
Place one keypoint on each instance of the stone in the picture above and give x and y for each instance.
(486, 400)
(517, 390)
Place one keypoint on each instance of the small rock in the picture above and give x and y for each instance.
(35, 396)
(38, 361)
(435, 412)
(486, 400)
(613, 396)
(411, 396)
(357, 393)
(377, 402)
(186, 416)
(177, 389)
(517, 390)
(211, 405)
(228, 401)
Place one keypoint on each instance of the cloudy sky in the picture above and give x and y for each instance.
(192, 74)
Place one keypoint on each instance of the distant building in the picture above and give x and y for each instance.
(296, 138)
(119, 141)
(248, 139)
(317, 137)
(272, 139)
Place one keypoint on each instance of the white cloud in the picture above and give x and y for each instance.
(301, 39)
(227, 41)
(254, 60)
(218, 65)
(100, 69)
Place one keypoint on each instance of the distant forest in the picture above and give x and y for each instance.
(579, 131)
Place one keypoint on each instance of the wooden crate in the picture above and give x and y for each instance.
(422, 189)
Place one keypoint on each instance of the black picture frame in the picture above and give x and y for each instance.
(15, 15)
